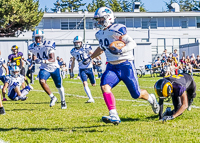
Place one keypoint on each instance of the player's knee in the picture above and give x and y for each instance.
(85, 83)
(106, 88)
(58, 85)
(42, 81)
(94, 84)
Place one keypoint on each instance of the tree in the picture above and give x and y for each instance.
(185, 5)
(92, 7)
(126, 6)
(18, 15)
(115, 5)
(57, 5)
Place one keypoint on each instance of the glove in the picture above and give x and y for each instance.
(165, 118)
(87, 61)
(115, 51)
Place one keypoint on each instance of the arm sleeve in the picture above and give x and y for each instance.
(130, 43)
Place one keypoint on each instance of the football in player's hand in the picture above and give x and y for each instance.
(117, 44)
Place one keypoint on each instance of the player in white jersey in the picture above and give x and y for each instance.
(13, 83)
(44, 54)
(120, 63)
(2, 74)
(79, 52)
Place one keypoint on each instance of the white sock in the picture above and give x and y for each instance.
(113, 111)
(51, 95)
(62, 93)
(24, 93)
(87, 90)
(150, 99)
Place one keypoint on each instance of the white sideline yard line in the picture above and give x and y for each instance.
(127, 100)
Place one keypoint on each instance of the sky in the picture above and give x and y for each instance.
(150, 5)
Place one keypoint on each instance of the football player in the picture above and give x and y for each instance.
(120, 63)
(2, 74)
(79, 52)
(13, 83)
(182, 89)
(44, 54)
(16, 58)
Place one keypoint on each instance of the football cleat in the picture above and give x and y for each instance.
(155, 105)
(63, 105)
(24, 98)
(166, 113)
(190, 101)
(16, 98)
(90, 101)
(111, 119)
(4, 99)
(30, 87)
(53, 101)
(2, 111)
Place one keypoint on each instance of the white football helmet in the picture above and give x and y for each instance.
(15, 71)
(38, 33)
(108, 16)
(76, 40)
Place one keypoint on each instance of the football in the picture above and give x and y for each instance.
(116, 44)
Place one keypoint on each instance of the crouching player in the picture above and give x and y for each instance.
(181, 88)
(13, 83)
(80, 52)
(120, 65)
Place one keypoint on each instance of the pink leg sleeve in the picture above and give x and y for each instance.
(110, 100)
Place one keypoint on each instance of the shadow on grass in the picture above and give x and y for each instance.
(139, 119)
(22, 109)
(152, 117)
(26, 102)
(129, 119)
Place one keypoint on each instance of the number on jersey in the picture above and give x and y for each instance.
(44, 56)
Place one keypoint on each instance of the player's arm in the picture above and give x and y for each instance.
(73, 64)
(23, 85)
(184, 106)
(4, 89)
(97, 52)
(130, 43)
(6, 68)
(51, 58)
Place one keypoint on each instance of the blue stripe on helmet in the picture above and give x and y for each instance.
(37, 31)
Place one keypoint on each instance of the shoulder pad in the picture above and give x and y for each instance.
(86, 46)
(31, 46)
(20, 53)
(10, 56)
(73, 50)
(51, 44)
(118, 28)
(96, 35)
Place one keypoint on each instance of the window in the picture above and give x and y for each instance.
(145, 24)
(153, 24)
(47, 24)
(168, 22)
(64, 25)
(137, 22)
(89, 25)
(161, 22)
(129, 22)
(198, 22)
(80, 25)
(161, 45)
(176, 43)
(120, 20)
(176, 22)
(191, 40)
(184, 24)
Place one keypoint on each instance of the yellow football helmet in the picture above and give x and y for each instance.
(14, 47)
(163, 88)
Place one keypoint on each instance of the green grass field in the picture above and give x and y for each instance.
(34, 121)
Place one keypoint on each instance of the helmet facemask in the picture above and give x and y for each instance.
(14, 49)
(39, 40)
(77, 45)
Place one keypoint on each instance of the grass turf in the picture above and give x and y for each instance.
(34, 121)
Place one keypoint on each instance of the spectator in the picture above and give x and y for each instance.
(70, 71)
(183, 60)
(63, 70)
(175, 54)
(94, 65)
(187, 60)
(192, 58)
(172, 68)
(167, 67)
(157, 62)
(197, 64)
(170, 55)
(165, 54)
(163, 60)
(31, 68)
(180, 68)
(169, 60)
(60, 62)
(98, 66)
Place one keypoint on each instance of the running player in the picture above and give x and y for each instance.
(120, 63)
(182, 89)
(44, 54)
(13, 83)
(79, 52)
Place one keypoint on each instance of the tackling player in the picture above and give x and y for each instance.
(16, 58)
(182, 89)
(13, 83)
(44, 54)
(120, 63)
(79, 52)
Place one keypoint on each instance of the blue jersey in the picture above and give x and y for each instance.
(111, 34)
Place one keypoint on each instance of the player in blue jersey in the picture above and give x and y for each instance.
(79, 52)
(44, 54)
(120, 63)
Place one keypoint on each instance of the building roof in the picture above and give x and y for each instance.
(125, 14)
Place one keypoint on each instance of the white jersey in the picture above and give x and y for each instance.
(42, 52)
(111, 34)
(82, 53)
(2, 61)
(11, 80)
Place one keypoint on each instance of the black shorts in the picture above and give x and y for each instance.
(191, 91)
(22, 71)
